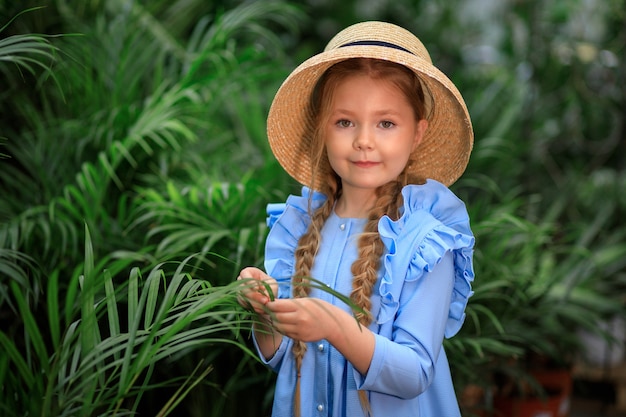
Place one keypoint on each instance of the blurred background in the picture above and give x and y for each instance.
(134, 175)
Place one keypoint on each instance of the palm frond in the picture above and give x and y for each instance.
(169, 316)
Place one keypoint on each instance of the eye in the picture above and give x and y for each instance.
(386, 124)
(343, 123)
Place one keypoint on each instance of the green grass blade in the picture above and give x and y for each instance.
(111, 303)
(13, 354)
(33, 335)
(53, 308)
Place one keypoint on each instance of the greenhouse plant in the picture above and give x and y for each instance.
(135, 172)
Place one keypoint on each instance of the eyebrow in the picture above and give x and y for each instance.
(384, 112)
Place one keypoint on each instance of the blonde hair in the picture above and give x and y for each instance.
(389, 198)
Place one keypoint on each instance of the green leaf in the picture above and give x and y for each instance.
(54, 319)
(13, 354)
(33, 336)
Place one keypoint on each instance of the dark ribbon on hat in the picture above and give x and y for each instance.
(377, 43)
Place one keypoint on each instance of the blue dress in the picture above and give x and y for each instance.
(420, 298)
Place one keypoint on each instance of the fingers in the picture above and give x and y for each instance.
(252, 299)
(288, 320)
(285, 305)
(256, 289)
(259, 281)
(252, 272)
(289, 312)
(305, 319)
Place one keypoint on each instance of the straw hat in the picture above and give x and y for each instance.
(444, 151)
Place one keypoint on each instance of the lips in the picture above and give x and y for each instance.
(365, 164)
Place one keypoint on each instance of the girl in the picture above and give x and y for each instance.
(375, 132)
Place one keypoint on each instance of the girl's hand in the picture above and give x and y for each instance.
(257, 289)
(305, 319)
(311, 319)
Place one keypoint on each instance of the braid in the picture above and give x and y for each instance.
(370, 251)
(308, 246)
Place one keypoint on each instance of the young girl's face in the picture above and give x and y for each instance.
(371, 133)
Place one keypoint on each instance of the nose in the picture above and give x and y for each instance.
(363, 139)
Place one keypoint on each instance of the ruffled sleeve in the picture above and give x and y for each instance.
(287, 222)
(433, 222)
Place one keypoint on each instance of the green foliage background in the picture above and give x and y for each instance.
(134, 175)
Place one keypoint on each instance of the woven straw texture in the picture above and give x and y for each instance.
(444, 151)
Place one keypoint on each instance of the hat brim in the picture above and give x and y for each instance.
(443, 153)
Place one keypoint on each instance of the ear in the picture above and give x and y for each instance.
(420, 131)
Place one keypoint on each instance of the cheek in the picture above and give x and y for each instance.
(331, 154)
(401, 162)
(399, 158)
(337, 146)
(334, 160)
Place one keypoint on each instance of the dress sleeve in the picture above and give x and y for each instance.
(287, 222)
(404, 362)
(424, 289)
(434, 222)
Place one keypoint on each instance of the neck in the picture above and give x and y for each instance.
(355, 203)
